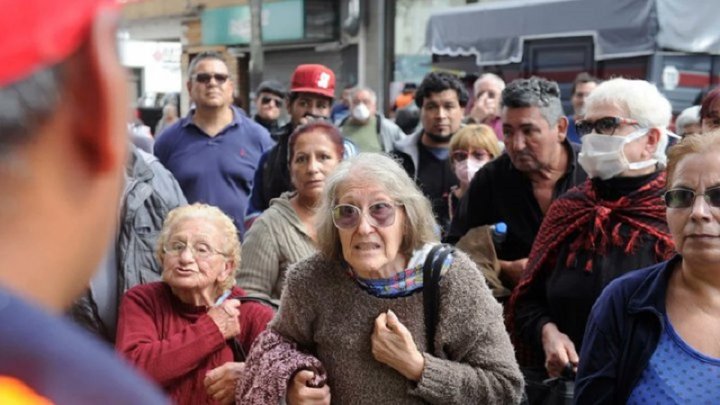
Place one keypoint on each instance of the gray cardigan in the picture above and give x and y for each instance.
(275, 240)
(327, 312)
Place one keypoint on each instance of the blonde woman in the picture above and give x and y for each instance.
(188, 332)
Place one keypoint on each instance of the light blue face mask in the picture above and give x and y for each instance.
(602, 156)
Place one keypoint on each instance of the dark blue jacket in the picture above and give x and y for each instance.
(621, 335)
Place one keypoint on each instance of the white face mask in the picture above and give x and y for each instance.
(602, 156)
(466, 169)
(361, 112)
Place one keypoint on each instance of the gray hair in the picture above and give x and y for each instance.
(380, 170)
(488, 76)
(370, 91)
(201, 57)
(28, 104)
(535, 92)
(642, 101)
(690, 115)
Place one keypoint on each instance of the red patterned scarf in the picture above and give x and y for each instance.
(594, 224)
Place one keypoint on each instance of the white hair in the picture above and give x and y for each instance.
(642, 101)
(690, 115)
(489, 76)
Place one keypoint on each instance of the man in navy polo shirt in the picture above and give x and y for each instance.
(213, 152)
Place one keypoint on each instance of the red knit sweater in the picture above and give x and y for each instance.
(176, 344)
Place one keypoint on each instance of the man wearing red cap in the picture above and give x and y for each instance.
(213, 152)
(312, 90)
(63, 146)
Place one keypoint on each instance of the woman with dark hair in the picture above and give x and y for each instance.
(710, 111)
(285, 232)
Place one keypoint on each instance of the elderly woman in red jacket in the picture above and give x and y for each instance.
(189, 332)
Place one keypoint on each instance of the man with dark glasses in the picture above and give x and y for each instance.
(214, 151)
(269, 103)
(612, 224)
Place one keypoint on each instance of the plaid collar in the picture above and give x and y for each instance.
(402, 283)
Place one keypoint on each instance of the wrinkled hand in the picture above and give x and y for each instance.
(485, 107)
(220, 382)
(559, 350)
(227, 318)
(513, 270)
(393, 345)
(300, 394)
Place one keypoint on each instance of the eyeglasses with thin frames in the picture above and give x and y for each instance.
(199, 250)
(205, 78)
(603, 126)
(380, 214)
(683, 198)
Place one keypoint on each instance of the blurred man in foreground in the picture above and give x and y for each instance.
(63, 148)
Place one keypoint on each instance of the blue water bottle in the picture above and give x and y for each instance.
(499, 234)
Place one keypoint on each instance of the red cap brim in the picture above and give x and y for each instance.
(35, 34)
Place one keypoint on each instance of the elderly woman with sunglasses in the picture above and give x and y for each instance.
(652, 336)
(358, 304)
(190, 332)
(611, 224)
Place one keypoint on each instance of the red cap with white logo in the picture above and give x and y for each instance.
(316, 79)
(35, 34)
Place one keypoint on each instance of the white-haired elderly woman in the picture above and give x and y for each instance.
(688, 122)
(611, 224)
(188, 332)
(357, 305)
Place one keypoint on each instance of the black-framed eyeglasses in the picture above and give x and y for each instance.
(604, 126)
(205, 78)
(380, 214)
(267, 99)
(683, 198)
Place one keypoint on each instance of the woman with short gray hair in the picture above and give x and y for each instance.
(357, 306)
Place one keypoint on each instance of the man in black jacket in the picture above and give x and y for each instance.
(312, 90)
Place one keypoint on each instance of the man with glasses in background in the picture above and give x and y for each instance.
(269, 102)
(214, 151)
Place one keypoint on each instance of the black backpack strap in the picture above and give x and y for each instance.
(431, 291)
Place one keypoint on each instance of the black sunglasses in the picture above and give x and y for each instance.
(205, 78)
(267, 99)
(604, 126)
(682, 198)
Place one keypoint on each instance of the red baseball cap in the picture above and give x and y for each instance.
(316, 79)
(35, 34)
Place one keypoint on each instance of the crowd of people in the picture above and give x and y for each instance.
(475, 253)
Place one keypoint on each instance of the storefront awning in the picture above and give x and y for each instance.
(495, 32)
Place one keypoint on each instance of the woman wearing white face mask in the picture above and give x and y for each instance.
(610, 225)
(470, 148)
